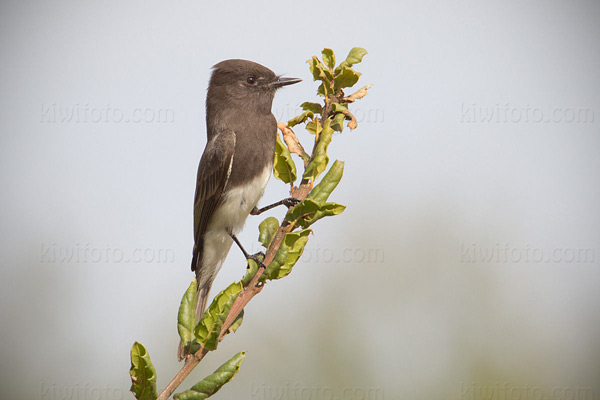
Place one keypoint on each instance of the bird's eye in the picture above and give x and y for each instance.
(251, 80)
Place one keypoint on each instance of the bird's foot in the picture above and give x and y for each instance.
(258, 258)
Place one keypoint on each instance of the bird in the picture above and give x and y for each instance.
(235, 166)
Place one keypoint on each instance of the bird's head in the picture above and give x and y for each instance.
(243, 83)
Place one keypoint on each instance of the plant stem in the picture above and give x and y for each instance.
(191, 362)
(253, 288)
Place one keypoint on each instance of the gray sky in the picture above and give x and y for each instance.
(467, 261)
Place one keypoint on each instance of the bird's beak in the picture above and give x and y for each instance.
(283, 81)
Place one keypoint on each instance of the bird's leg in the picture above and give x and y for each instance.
(289, 202)
(258, 257)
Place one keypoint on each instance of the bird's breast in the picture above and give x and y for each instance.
(238, 201)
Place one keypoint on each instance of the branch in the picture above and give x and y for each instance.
(253, 288)
(191, 362)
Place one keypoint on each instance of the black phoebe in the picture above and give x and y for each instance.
(236, 164)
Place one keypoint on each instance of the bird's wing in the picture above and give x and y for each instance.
(213, 174)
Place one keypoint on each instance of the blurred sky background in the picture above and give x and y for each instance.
(466, 265)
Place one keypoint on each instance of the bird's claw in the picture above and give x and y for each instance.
(258, 258)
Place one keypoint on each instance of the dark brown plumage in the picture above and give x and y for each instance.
(236, 164)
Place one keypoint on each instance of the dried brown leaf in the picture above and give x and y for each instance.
(359, 94)
(291, 140)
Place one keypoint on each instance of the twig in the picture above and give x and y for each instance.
(253, 288)
(191, 362)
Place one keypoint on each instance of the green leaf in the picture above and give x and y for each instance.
(215, 381)
(314, 206)
(300, 118)
(236, 323)
(305, 208)
(267, 229)
(346, 77)
(314, 126)
(317, 69)
(143, 374)
(321, 91)
(337, 107)
(337, 123)
(208, 329)
(326, 210)
(325, 89)
(284, 167)
(328, 58)
(309, 211)
(186, 318)
(288, 254)
(321, 191)
(321, 73)
(312, 107)
(354, 57)
(319, 160)
(250, 272)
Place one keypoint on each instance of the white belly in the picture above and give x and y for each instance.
(230, 217)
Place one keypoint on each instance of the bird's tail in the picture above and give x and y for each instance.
(202, 299)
